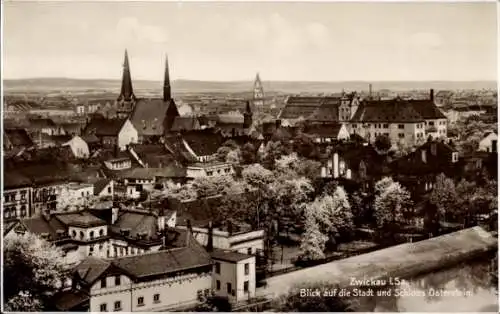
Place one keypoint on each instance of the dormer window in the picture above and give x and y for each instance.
(454, 157)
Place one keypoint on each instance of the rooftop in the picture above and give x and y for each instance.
(80, 219)
(228, 256)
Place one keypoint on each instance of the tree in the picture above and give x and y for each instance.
(222, 153)
(333, 214)
(248, 154)
(257, 176)
(233, 156)
(312, 245)
(393, 206)
(358, 208)
(308, 168)
(382, 143)
(295, 302)
(444, 195)
(34, 269)
(210, 186)
(272, 151)
(287, 164)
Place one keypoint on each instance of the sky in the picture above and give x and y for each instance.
(215, 41)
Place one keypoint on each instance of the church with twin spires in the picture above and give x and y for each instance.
(152, 118)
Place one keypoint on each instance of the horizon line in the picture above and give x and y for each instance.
(243, 80)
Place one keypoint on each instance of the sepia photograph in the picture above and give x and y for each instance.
(239, 156)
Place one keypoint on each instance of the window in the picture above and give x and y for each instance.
(354, 125)
(118, 305)
(140, 301)
(217, 284)
(217, 268)
(91, 234)
(118, 280)
(101, 232)
(91, 250)
(109, 189)
(401, 126)
(103, 283)
(245, 286)
(228, 287)
(156, 298)
(82, 235)
(431, 123)
(401, 135)
(247, 269)
(209, 173)
(249, 251)
(103, 307)
(386, 126)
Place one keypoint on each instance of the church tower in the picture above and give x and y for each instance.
(247, 116)
(167, 91)
(126, 100)
(258, 92)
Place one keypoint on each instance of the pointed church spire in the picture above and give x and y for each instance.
(126, 93)
(167, 94)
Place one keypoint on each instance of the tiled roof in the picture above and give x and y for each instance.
(100, 184)
(311, 108)
(228, 256)
(91, 138)
(60, 139)
(427, 109)
(185, 124)
(230, 119)
(41, 123)
(164, 262)
(104, 127)
(91, 268)
(137, 222)
(68, 300)
(40, 225)
(203, 142)
(150, 173)
(150, 116)
(38, 172)
(13, 179)
(72, 128)
(80, 219)
(17, 138)
(330, 130)
(154, 155)
(392, 111)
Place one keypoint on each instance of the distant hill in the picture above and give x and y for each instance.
(193, 86)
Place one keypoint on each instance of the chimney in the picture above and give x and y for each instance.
(210, 241)
(230, 227)
(432, 95)
(424, 156)
(433, 149)
(278, 123)
(189, 232)
(370, 90)
(114, 215)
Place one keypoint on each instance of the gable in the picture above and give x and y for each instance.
(128, 127)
